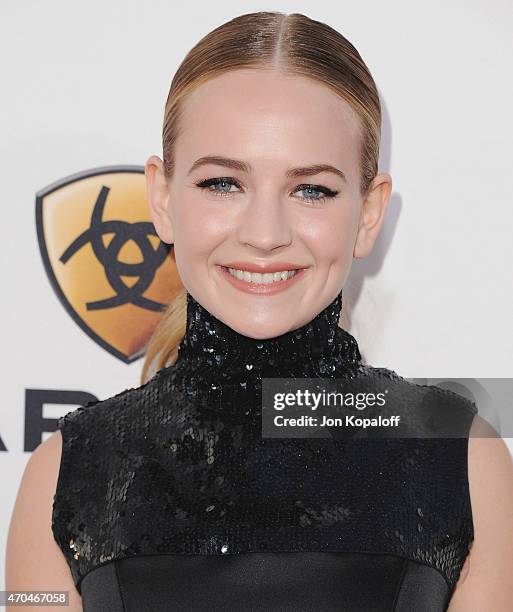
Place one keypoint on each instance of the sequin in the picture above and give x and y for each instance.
(179, 465)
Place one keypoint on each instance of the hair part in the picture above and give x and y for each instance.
(295, 45)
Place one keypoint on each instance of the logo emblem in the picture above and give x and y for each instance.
(104, 259)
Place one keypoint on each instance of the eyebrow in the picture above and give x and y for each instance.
(236, 164)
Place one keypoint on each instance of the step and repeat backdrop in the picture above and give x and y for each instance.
(85, 276)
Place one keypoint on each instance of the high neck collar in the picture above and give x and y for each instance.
(319, 348)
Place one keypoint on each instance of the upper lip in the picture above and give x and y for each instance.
(277, 266)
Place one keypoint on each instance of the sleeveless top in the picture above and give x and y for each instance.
(169, 498)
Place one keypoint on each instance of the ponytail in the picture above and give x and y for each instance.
(162, 349)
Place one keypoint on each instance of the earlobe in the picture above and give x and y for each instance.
(157, 191)
(358, 251)
(372, 215)
(363, 244)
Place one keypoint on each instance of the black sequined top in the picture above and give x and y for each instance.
(170, 498)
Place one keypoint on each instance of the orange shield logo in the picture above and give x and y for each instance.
(103, 257)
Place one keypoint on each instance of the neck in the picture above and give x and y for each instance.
(319, 348)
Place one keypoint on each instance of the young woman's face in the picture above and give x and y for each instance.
(266, 209)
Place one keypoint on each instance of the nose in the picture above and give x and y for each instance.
(265, 223)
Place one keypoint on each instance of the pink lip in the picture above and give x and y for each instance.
(262, 288)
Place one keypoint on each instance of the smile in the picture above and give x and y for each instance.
(265, 283)
(257, 277)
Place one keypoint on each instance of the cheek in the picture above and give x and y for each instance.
(199, 228)
(329, 236)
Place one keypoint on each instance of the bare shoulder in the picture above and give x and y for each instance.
(42, 468)
(34, 561)
(486, 581)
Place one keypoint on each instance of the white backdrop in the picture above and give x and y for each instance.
(84, 85)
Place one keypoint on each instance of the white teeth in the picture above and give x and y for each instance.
(257, 277)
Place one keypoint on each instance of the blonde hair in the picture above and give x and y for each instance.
(296, 45)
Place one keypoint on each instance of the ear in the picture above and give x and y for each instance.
(372, 214)
(157, 191)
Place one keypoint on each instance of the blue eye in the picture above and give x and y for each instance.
(213, 182)
(328, 193)
(226, 182)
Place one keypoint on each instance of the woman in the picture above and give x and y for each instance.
(168, 496)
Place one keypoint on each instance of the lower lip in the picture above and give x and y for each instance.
(262, 288)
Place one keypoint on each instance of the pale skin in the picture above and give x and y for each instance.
(272, 124)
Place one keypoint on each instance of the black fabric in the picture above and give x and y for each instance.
(266, 582)
(422, 589)
(179, 466)
(101, 590)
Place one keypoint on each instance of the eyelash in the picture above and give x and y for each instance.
(206, 183)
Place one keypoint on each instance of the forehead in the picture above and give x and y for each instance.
(263, 114)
